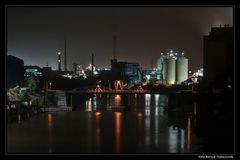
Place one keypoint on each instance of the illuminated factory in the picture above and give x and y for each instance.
(172, 68)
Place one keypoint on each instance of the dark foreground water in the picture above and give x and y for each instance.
(94, 126)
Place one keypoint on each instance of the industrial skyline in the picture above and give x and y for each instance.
(37, 34)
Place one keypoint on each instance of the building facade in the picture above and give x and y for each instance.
(128, 71)
(218, 56)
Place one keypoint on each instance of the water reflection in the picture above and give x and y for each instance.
(157, 99)
(89, 104)
(117, 100)
(140, 130)
(173, 139)
(50, 133)
(98, 130)
(147, 131)
(145, 128)
(147, 104)
(182, 139)
(118, 130)
(94, 103)
(89, 130)
(189, 135)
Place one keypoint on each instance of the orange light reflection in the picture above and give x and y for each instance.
(118, 130)
(49, 133)
(140, 130)
(97, 115)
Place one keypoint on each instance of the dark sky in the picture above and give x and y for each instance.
(36, 34)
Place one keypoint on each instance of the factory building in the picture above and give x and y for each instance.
(172, 68)
(128, 71)
(32, 71)
(77, 69)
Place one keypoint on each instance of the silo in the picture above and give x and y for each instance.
(159, 63)
(159, 67)
(164, 69)
(171, 66)
(181, 69)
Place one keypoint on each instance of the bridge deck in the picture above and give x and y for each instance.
(124, 91)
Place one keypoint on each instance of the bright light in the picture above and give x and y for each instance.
(182, 53)
(148, 77)
(59, 53)
(194, 79)
(139, 114)
(172, 82)
(171, 50)
(97, 113)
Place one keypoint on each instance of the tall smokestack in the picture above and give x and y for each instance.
(59, 61)
(114, 46)
(65, 54)
(92, 62)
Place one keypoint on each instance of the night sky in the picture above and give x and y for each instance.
(36, 34)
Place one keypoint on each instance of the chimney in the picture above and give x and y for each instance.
(92, 63)
(65, 54)
(114, 46)
(59, 61)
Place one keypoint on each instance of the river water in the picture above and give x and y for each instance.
(108, 123)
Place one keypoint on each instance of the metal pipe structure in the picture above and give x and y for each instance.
(114, 47)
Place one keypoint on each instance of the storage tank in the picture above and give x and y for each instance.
(164, 70)
(181, 69)
(170, 69)
(159, 67)
(159, 63)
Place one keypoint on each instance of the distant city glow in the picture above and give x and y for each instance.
(45, 50)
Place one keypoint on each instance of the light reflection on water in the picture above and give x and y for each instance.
(145, 128)
(118, 130)
(98, 130)
(49, 133)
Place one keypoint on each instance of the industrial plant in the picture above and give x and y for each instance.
(172, 68)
